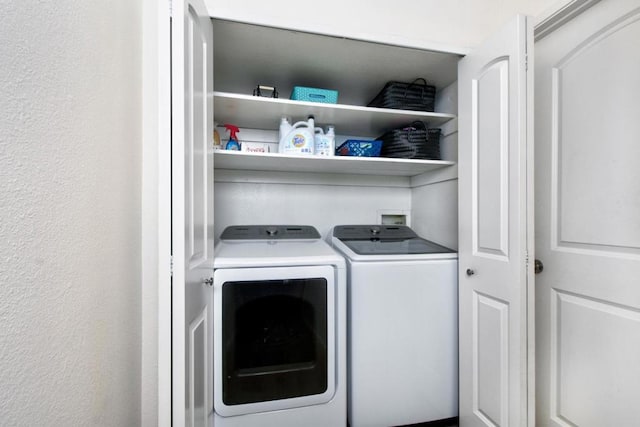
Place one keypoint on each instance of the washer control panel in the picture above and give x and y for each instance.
(269, 232)
(348, 232)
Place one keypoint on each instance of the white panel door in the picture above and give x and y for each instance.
(192, 213)
(588, 219)
(495, 234)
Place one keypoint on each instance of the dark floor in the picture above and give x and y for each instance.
(449, 422)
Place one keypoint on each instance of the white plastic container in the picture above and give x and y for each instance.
(325, 143)
(298, 139)
(285, 128)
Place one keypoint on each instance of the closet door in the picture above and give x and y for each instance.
(587, 219)
(496, 230)
(192, 213)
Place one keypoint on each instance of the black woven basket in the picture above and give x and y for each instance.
(415, 141)
(417, 96)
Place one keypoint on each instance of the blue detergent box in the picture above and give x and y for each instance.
(359, 148)
(310, 94)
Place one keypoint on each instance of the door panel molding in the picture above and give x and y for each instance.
(582, 145)
(198, 357)
(490, 138)
(197, 203)
(583, 325)
(491, 379)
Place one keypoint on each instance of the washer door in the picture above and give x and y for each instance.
(274, 338)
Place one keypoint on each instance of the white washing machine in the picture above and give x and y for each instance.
(279, 329)
(402, 326)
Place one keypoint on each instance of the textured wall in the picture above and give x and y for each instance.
(70, 160)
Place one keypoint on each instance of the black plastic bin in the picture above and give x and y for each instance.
(416, 96)
(414, 141)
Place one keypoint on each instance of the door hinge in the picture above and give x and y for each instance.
(526, 62)
(170, 8)
(171, 265)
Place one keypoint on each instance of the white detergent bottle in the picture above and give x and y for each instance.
(299, 138)
(285, 128)
(318, 141)
(325, 142)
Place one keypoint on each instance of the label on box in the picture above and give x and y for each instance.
(255, 147)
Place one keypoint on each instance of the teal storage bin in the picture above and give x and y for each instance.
(310, 94)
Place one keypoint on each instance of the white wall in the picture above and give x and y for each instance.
(435, 212)
(460, 23)
(322, 206)
(435, 195)
(70, 185)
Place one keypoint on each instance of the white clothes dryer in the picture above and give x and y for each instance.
(402, 328)
(279, 329)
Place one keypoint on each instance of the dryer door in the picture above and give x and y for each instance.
(274, 338)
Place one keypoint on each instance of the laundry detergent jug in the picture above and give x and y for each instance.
(297, 139)
(325, 142)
